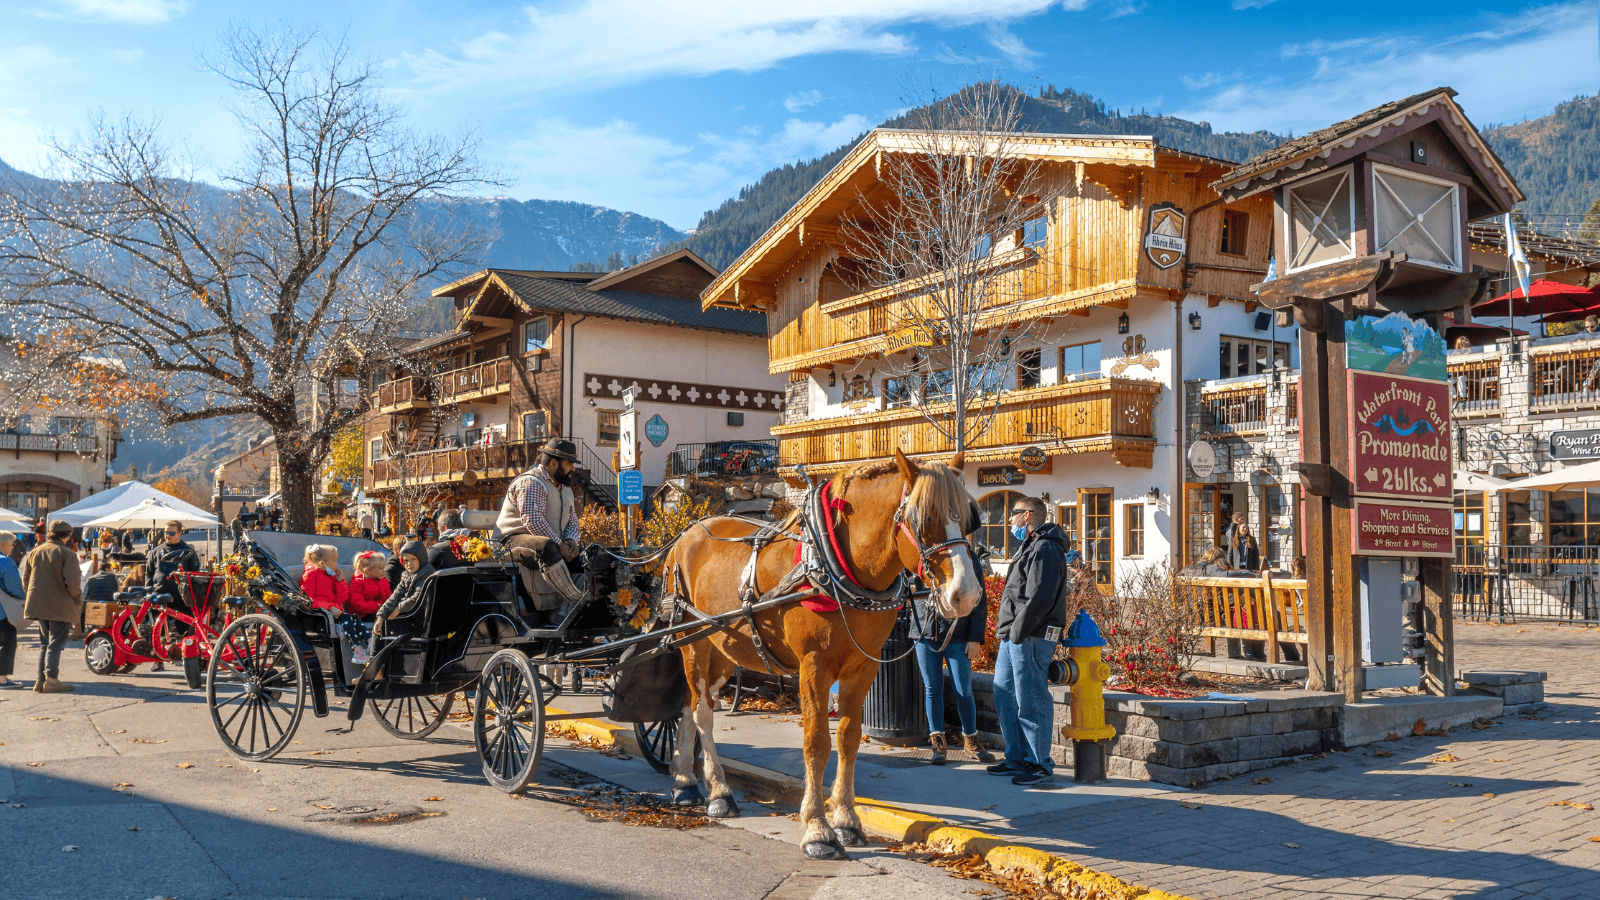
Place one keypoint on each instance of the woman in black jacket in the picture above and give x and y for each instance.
(961, 641)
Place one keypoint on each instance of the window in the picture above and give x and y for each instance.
(984, 246)
(377, 449)
(1133, 529)
(1203, 525)
(69, 425)
(1095, 514)
(536, 335)
(1470, 518)
(1028, 369)
(533, 426)
(609, 428)
(472, 437)
(897, 392)
(982, 378)
(1320, 220)
(1247, 356)
(1574, 517)
(1035, 231)
(1080, 359)
(994, 511)
(1417, 216)
(1235, 231)
(1067, 520)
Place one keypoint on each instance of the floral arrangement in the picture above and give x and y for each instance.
(245, 579)
(478, 550)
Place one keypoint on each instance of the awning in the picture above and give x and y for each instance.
(121, 497)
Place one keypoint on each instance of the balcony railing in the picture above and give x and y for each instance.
(49, 443)
(723, 458)
(400, 392)
(1475, 387)
(472, 382)
(1115, 414)
(1566, 379)
(1236, 409)
(437, 466)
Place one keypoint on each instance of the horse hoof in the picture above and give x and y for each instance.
(687, 796)
(850, 837)
(722, 808)
(825, 850)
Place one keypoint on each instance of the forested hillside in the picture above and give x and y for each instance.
(726, 231)
(1555, 159)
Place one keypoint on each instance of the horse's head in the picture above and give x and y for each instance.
(931, 531)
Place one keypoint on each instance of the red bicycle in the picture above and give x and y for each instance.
(150, 630)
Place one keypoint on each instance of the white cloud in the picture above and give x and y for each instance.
(1489, 68)
(1012, 46)
(801, 100)
(136, 12)
(609, 42)
(1252, 4)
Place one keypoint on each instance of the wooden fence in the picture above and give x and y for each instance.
(1240, 609)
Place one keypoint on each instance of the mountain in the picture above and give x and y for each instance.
(1555, 159)
(554, 235)
(723, 233)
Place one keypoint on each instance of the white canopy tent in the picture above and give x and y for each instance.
(121, 497)
(11, 517)
(1569, 478)
(151, 513)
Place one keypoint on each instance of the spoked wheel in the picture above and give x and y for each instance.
(658, 742)
(99, 653)
(256, 687)
(414, 718)
(508, 721)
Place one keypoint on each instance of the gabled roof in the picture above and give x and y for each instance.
(1107, 149)
(621, 277)
(1332, 145)
(537, 291)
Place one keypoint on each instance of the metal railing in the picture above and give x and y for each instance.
(50, 443)
(723, 458)
(1475, 386)
(1237, 408)
(602, 480)
(1506, 582)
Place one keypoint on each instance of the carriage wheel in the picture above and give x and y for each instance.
(508, 721)
(256, 687)
(414, 718)
(99, 652)
(658, 742)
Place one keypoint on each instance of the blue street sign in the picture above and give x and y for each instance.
(630, 487)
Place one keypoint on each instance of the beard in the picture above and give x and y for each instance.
(563, 478)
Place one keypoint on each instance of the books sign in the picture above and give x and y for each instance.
(1000, 476)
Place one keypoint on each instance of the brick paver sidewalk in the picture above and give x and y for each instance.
(1387, 821)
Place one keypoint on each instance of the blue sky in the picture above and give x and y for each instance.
(666, 107)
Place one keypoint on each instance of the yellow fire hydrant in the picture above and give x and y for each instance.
(1086, 675)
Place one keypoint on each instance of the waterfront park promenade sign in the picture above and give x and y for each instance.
(1400, 467)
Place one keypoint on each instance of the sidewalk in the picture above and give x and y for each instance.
(1383, 821)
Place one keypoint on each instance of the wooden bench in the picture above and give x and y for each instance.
(1240, 609)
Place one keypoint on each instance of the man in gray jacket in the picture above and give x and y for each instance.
(53, 582)
(1033, 610)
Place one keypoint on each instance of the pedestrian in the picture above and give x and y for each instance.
(940, 643)
(1033, 611)
(365, 523)
(1245, 553)
(393, 569)
(54, 597)
(17, 551)
(237, 527)
(127, 541)
(170, 555)
(11, 599)
(101, 585)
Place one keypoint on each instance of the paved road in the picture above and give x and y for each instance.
(1359, 825)
(133, 777)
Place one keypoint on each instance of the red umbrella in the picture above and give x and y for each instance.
(1477, 334)
(1543, 297)
(1575, 315)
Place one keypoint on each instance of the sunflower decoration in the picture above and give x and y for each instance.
(479, 550)
(271, 598)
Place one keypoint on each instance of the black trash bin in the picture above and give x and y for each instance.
(893, 713)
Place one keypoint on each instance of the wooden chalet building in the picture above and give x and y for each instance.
(1092, 417)
(543, 354)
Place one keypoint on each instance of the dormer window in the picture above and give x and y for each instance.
(1418, 216)
(1321, 220)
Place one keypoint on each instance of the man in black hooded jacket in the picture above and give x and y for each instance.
(1033, 610)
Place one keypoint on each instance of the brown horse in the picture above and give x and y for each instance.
(872, 502)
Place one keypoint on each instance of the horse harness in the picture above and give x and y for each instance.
(819, 568)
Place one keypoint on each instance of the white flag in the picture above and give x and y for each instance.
(1519, 259)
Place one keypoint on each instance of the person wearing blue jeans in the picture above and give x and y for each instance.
(938, 643)
(1033, 611)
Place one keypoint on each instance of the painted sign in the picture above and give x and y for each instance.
(1395, 344)
(630, 487)
(655, 430)
(1164, 242)
(1202, 459)
(1575, 444)
(1400, 436)
(1000, 476)
(1033, 459)
(1383, 528)
(907, 338)
(628, 438)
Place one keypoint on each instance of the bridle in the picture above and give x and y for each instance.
(903, 516)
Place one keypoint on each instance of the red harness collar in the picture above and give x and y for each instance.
(823, 603)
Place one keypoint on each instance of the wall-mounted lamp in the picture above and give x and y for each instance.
(1194, 321)
(833, 378)
(1122, 324)
(592, 404)
(1154, 494)
(1005, 346)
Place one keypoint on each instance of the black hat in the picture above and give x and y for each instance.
(560, 448)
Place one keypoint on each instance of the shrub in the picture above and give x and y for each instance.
(596, 526)
(1151, 628)
(671, 521)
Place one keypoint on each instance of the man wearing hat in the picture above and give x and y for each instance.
(539, 520)
(54, 586)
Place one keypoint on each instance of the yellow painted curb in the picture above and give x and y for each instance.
(606, 734)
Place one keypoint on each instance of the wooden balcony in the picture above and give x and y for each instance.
(1239, 409)
(1564, 378)
(400, 395)
(500, 461)
(1475, 388)
(478, 381)
(1102, 414)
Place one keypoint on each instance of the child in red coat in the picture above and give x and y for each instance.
(320, 580)
(368, 588)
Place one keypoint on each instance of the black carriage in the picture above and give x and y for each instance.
(478, 628)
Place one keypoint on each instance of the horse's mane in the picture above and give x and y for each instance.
(939, 492)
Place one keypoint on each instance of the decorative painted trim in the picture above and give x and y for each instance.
(682, 393)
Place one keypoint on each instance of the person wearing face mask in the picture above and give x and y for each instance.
(539, 520)
(1033, 611)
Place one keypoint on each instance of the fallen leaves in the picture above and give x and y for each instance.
(1583, 806)
(1459, 783)
(1481, 724)
(1499, 760)
(69, 849)
(122, 784)
(1421, 729)
(185, 765)
(614, 804)
(1446, 758)
(1595, 839)
(34, 765)
(1261, 780)
(1190, 804)
(431, 799)
(118, 731)
(43, 719)
(1488, 794)
(1381, 753)
(1391, 736)
(143, 741)
(1291, 845)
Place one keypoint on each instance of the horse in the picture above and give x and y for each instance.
(882, 520)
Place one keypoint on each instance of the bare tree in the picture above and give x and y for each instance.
(235, 304)
(942, 238)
